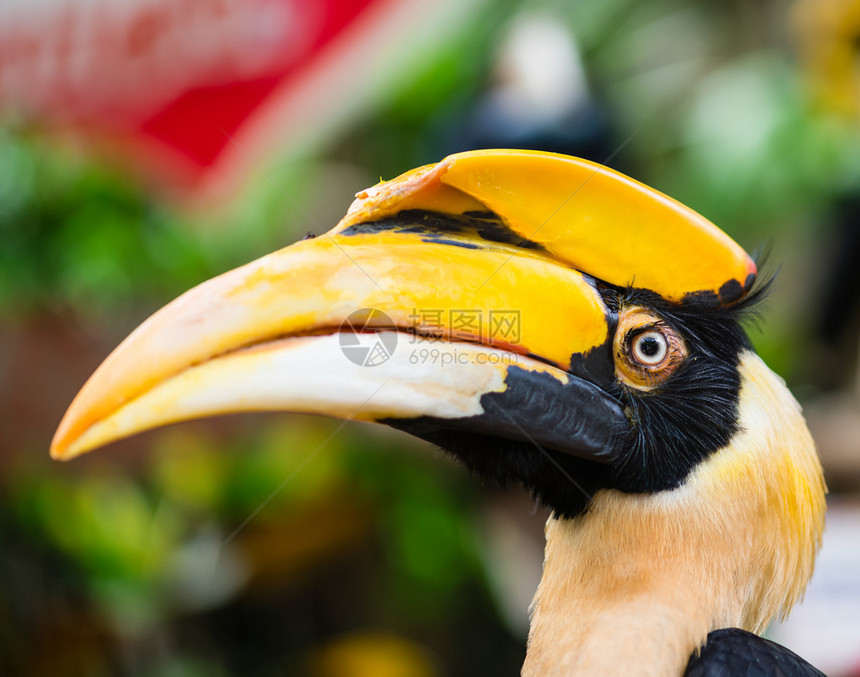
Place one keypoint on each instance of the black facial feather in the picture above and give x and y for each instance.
(694, 413)
(561, 482)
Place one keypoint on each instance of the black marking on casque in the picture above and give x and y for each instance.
(731, 291)
(731, 652)
(403, 225)
(496, 231)
(434, 226)
(453, 243)
(727, 295)
(704, 298)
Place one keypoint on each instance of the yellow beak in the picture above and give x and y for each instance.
(475, 272)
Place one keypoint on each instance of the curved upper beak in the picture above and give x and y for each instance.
(463, 293)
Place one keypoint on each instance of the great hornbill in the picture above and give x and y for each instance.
(604, 368)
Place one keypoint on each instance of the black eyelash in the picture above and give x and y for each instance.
(637, 331)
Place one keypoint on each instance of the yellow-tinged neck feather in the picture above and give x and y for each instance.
(636, 584)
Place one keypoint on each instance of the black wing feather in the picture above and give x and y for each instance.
(738, 653)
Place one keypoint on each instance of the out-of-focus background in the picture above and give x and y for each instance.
(150, 144)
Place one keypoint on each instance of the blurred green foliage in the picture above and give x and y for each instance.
(78, 232)
(207, 518)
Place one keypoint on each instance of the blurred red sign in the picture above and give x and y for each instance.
(180, 79)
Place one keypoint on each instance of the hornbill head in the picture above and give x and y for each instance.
(550, 323)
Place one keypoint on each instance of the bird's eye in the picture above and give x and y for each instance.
(647, 350)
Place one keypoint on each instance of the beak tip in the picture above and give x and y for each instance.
(66, 452)
(59, 448)
(65, 442)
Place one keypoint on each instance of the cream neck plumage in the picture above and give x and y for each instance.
(634, 585)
